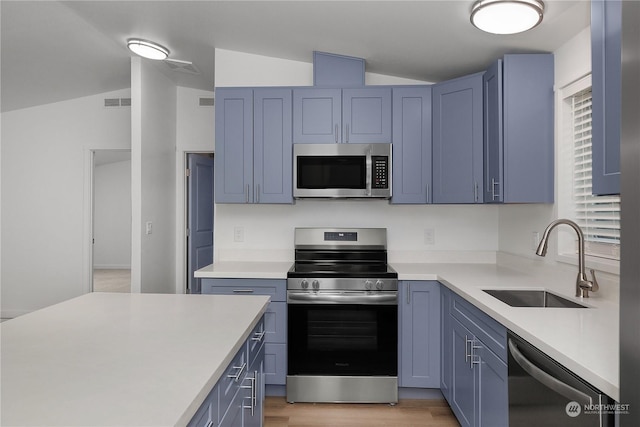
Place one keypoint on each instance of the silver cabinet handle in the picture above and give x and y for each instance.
(475, 191)
(238, 374)
(428, 192)
(493, 189)
(258, 336)
(466, 348)
(254, 393)
(553, 383)
(475, 360)
(247, 195)
(346, 136)
(257, 199)
(243, 291)
(336, 133)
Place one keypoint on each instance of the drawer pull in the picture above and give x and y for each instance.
(243, 291)
(258, 336)
(238, 374)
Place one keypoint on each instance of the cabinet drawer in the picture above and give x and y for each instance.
(485, 328)
(256, 340)
(275, 288)
(275, 364)
(231, 379)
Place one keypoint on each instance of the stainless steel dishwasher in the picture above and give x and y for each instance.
(544, 393)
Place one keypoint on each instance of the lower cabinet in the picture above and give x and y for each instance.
(419, 335)
(474, 369)
(237, 399)
(275, 359)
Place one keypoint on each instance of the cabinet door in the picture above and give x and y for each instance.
(606, 55)
(457, 140)
(446, 343)
(419, 334)
(366, 115)
(493, 398)
(317, 117)
(528, 128)
(234, 145)
(272, 146)
(411, 145)
(463, 384)
(493, 138)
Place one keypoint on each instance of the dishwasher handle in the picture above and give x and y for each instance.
(553, 383)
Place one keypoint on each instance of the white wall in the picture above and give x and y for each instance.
(153, 155)
(44, 196)
(195, 133)
(467, 233)
(112, 215)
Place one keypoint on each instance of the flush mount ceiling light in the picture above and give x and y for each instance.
(147, 49)
(506, 16)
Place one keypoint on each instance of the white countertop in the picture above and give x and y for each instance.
(120, 359)
(586, 341)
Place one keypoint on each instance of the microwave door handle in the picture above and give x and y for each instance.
(541, 376)
(369, 178)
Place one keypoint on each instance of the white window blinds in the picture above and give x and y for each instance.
(598, 216)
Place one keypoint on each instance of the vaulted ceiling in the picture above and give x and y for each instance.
(53, 51)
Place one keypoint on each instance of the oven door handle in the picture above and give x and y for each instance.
(338, 298)
(553, 383)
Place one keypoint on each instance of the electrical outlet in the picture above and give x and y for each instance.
(149, 227)
(429, 236)
(238, 234)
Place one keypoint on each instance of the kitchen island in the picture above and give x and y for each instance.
(121, 359)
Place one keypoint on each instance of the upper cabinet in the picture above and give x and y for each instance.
(411, 145)
(519, 130)
(457, 140)
(606, 57)
(329, 116)
(253, 161)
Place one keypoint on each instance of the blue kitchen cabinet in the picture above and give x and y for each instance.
(275, 319)
(446, 343)
(519, 129)
(419, 323)
(253, 161)
(478, 387)
(411, 145)
(234, 145)
(272, 146)
(606, 79)
(328, 116)
(237, 399)
(457, 140)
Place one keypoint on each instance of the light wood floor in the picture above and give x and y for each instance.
(111, 280)
(407, 413)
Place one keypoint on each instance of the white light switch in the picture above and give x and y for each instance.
(149, 227)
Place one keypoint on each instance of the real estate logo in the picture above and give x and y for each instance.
(573, 409)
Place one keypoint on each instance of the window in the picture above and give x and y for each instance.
(598, 216)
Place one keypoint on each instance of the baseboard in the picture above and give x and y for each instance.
(112, 266)
(403, 392)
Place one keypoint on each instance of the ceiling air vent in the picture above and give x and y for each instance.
(182, 66)
(207, 102)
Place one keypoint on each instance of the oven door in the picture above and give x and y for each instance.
(341, 335)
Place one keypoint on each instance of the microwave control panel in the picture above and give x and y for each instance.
(380, 172)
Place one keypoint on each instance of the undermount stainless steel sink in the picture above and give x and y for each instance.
(532, 298)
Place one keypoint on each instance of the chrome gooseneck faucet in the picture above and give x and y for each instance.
(583, 286)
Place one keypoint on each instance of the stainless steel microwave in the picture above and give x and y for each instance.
(342, 170)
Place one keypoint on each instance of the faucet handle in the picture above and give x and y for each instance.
(594, 281)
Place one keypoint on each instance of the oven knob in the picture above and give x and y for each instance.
(379, 285)
(368, 285)
(316, 285)
(304, 284)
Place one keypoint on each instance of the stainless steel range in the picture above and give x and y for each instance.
(343, 317)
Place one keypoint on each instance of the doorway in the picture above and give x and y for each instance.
(111, 234)
(199, 212)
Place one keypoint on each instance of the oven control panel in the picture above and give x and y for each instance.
(340, 236)
(342, 284)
